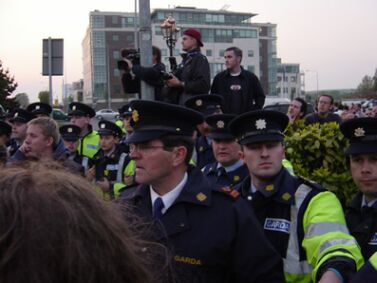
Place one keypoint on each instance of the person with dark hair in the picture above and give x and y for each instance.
(18, 118)
(113, 168)
(81, 115)
(361, 155)
(304, 222)
(40, 109)
(213, 234)
(297, 109)
(192, 76)
(207, 105)
(240, 88)
(71, 136)
(151, 75)
(53, 228)
(323, 114)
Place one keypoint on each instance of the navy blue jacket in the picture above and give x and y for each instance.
(225, 179)
(367, 274)
(204, 152)
(214, 235)
(362, 224)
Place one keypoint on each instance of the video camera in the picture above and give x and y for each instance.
(131, 54)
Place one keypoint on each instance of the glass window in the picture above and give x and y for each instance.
(176, 52)
(278, 90)
(221, 53)
(158, 31)
(98, 21)
(98, 39)
(160, 16)
(117, 89)
(115, 37)
(130, 38)
(114, 19)
(116, 72)
(164, 52)
(250, 53)
(208, 52)
(279, 78)
(116, 54)
(251, 68)
(208, 18)
(293, 79)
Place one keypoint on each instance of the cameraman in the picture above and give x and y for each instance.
(151, 75)
(193, 74)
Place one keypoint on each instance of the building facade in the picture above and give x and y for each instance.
(110, 32)
(289, 80)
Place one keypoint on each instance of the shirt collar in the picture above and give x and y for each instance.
(364, 202)
(232, 167)
(171, 196)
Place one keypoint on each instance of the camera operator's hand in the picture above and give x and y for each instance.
(174, 82)
(129, 63)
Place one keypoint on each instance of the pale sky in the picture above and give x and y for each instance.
(335, 38)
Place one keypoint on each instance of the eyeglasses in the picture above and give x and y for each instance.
(143, 148)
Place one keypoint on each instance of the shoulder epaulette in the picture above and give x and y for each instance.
(230, 191)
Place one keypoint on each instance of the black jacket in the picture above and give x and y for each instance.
(195, 73)
(362, 224)
(252, 92)
(214, 235)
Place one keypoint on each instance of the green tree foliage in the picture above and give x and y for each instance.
(44, 96)
(7, 86)
(317, 153)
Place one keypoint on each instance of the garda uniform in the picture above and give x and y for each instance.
(39, 109)
(368, 273)
(21, 116)
(223, 176)
(71, 132)
(304, 222)
(113, 166)
(213, 235)
(125, 111)
(362, 217)
(207, 105)
(89, 143)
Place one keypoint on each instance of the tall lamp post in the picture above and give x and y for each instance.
(170, 30)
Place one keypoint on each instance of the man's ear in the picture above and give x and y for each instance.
(50, 141)
(179, 155)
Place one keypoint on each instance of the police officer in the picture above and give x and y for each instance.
(71, 137)
(113, 169)
(361, 156)
(229, 169)
(368, 273)
(213, 235)
(40, 109)
(207, 105)
(81, 115)
(125, 113)
(304, 222)
(18, 119)
(5, 132)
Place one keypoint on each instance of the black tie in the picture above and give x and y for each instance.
(221, 172)
(158, 205)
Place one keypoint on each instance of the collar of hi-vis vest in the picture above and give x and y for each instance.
(282, 188)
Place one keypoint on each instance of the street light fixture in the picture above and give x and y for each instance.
(170, 30)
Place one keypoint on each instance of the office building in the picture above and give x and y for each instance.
(109, 32)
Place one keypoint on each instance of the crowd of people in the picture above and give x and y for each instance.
(198, 190)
